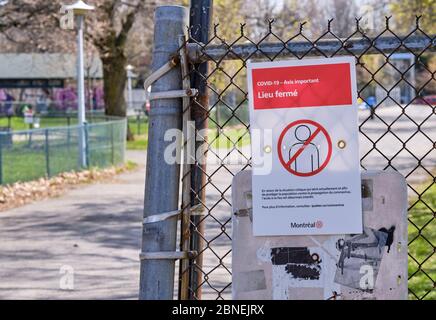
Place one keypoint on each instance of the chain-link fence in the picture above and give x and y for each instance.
(46, 120)
(397, 124)
(138, 123)
(31, 154)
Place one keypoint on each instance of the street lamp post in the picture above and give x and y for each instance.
(80, 9)
(130, 75)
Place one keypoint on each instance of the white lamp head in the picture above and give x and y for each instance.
(80, 8)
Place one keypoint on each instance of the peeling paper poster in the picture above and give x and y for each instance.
(362, 254)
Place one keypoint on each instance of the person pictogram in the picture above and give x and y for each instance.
(308, 161)
(304, 148)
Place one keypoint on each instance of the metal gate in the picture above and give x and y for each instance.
(397, 123)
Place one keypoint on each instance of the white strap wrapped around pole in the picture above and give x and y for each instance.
(172, 94)
(194, 211)
(167, 255)
(159, 73)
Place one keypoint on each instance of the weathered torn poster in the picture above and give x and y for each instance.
(360, 258)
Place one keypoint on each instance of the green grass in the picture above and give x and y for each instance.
(24, 161)
(130, 165)
(140, 143)
(138, 126)
(17, 123)
(31, 165)
(421, 217)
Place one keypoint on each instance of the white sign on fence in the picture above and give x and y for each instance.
(312, 185)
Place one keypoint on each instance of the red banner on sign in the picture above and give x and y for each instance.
(302, 86)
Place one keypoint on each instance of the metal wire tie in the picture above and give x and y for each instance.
(166, 94)
(172, 94)
(167, 255)
(194, 211)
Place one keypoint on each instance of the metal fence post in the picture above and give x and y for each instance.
(200, 22)
(1, 160)
(162, 178)
(138, 124)
(85, 163)
(83, 145)
(47, 153)
(112, 128)
(122, 142)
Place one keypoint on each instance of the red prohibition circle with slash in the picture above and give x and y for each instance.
(319, 129)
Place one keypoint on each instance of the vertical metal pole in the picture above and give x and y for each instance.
(185, 232)
(121, 140)
(129, 89)
(85, 130)
(81, 90)
(217, 119)
(68, 132)
(413, 92)
(138, 124)
(3, 138)
(47, 154)
(162, 177)
(112, 128)
(200, 22)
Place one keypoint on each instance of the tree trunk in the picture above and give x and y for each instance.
(114, 82)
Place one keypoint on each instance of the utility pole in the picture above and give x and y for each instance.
(130, 75)
(200, 24)
(162, 178)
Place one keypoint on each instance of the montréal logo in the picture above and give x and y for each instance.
(317, 224)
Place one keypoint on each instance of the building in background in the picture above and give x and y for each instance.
(46, 82)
